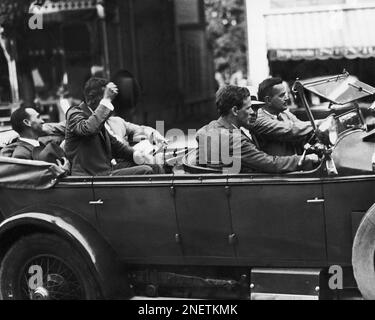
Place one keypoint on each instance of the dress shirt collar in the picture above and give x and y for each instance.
(33, 142)
(228, 125)
(273, 116)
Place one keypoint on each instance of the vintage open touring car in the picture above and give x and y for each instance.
(200, 234)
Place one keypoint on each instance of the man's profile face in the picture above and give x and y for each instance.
(247, 115)
(279, 98)
(35, 122)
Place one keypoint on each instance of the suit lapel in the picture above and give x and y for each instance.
(107, 140)
(249, 136)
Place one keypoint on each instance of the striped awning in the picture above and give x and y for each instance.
(67, 5)
(321, 34)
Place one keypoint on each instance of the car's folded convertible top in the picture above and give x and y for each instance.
(28, 174)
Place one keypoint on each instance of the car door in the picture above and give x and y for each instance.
(203, 214)
(347, 199)
(278, 220)
(137, 216)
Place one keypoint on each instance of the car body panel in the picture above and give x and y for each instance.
(344, 197)
(269, 216)
(205, 223)
(77, 191)
(275, 222)
(138, 221)
(353, 155)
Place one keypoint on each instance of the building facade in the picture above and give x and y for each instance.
(308, 38)
(161, 42)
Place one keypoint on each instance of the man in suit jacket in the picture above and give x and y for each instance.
(88, 145)
(225, 141)
(278, 131)
(28, 123)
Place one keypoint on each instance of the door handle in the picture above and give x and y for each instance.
(96, 203)
(316, 200)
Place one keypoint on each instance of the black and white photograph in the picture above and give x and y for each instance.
(187, 156)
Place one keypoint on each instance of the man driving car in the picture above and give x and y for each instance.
(278, 131)
(229, 135)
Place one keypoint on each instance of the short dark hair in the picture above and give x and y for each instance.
(265, 88)
(16, 119)
(229, 96)
(93, 91)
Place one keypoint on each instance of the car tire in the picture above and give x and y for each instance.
(45, 267)
(363, 255)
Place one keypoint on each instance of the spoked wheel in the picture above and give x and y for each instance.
(45, 267)
(48, 277)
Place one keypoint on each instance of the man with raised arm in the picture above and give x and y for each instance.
(88, 145)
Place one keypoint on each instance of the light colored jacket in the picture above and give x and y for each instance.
(281, 135)
(252, 159)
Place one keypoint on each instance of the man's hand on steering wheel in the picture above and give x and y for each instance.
(309, 158)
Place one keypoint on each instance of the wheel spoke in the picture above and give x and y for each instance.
(58, 279)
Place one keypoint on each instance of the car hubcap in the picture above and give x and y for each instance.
(40, 293)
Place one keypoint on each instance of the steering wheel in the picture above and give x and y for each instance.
(317, 148)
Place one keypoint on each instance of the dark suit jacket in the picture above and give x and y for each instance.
(212, 137)
(88, 145)
(19, 149)
(23, 150)
(283, 136)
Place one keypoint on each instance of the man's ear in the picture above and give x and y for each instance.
(267, 99)
(26, 122)
(234, 110)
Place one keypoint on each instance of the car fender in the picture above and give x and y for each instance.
(100, 256)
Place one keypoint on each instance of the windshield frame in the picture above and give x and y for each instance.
(361, 89)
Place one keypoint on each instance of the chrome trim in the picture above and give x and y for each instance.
(210, 180)
(281, 296)
(367, 177)
(59, 222)
(96, 203)
(316, 200)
